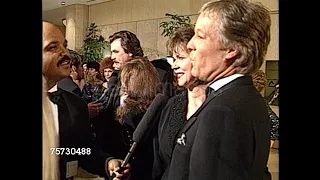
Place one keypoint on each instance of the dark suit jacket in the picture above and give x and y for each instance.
(69, 85)
(230, 138)
(75, 132)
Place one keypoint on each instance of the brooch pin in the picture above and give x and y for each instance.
(182, 140)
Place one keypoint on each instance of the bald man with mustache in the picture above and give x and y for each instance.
(76, 142)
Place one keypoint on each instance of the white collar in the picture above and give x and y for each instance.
(221, 82)
(54, 88)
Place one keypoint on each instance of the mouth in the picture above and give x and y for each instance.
(64, 62)
(179, 74)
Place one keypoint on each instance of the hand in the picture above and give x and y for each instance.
(114, 165)
(74, 73)
(94, 109)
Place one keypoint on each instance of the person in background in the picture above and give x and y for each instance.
(75, 82)
(259, 81)
(181, 107)
(139, 80)
(85, 71)
(124, 46)
(229, 138)
(93, 82)
(106, 70)
(77, 71)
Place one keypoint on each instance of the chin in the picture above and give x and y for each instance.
(194, 73)
(182, 84)
(65, 74)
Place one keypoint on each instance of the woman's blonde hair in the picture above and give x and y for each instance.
(50, 165)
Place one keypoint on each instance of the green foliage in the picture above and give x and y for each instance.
(94, 45)
(175, 22)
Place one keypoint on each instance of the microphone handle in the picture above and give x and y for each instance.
(125, 161)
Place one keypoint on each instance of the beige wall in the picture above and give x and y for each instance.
(143, 17)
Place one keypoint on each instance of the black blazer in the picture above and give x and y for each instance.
(75, 132)
(172, 119)
(230, 138)
(69, 85)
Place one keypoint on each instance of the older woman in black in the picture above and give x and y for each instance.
(179, 108)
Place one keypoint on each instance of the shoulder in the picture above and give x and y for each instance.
(67, 84)
(174, 106)
(174, 100)
(73, 99)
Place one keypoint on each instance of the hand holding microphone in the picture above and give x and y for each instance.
(143, 129)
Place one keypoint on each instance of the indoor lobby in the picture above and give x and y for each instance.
(144, 18)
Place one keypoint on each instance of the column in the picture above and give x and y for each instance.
(77, 17)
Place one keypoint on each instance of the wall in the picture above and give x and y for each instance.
(143, 17)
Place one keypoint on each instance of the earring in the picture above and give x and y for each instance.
(130, 54)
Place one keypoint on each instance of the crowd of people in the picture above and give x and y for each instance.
(214, 124)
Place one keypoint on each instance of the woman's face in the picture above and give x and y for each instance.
(107, 73)
(182, 67)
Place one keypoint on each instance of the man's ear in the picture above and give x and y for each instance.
(73, 68)
(231, 54)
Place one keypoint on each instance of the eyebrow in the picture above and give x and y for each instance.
(51, 43)
(114, 50)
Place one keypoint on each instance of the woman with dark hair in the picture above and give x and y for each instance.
(180, 108)
(139, 80)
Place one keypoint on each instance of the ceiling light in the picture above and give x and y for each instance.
(63, 3)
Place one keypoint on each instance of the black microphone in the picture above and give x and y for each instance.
(144, 128)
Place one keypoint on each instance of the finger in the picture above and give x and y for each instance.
(118, 175)
(97, 104)
(125, 171)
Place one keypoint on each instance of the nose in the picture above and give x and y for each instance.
(190, 45)
(113, 56)
(174, 65)
(65, 51)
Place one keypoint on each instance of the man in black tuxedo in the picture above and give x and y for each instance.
(230, 135)
(76, 142)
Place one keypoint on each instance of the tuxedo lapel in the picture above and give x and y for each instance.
(241, 81)
(64, 117)
(68, 111)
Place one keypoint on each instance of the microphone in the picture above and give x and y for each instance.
(144, 128)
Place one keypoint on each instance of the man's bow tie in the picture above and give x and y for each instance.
(56, 97)
(209, 91)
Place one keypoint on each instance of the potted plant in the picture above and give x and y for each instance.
(94, 45)
(174, 22)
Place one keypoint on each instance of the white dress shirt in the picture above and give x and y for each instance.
(55, 110)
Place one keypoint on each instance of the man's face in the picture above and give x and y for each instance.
(207, 54)
(92, 72)
(79, 71)
(56, 61)
(118, 55)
